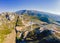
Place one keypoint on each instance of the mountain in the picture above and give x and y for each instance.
(39, 14)
(48, 31)
(28, 26)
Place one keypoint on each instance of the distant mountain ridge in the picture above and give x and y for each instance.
(39, 14)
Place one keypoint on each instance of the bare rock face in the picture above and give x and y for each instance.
(25, 28)
(34, 30)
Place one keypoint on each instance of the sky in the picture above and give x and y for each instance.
(51, 6)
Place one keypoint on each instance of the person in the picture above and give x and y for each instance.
(7, 16)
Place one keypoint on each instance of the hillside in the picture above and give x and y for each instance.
(29, 27)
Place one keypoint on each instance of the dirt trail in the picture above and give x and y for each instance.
(10, 37)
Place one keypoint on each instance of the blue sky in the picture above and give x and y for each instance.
(52, 6)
